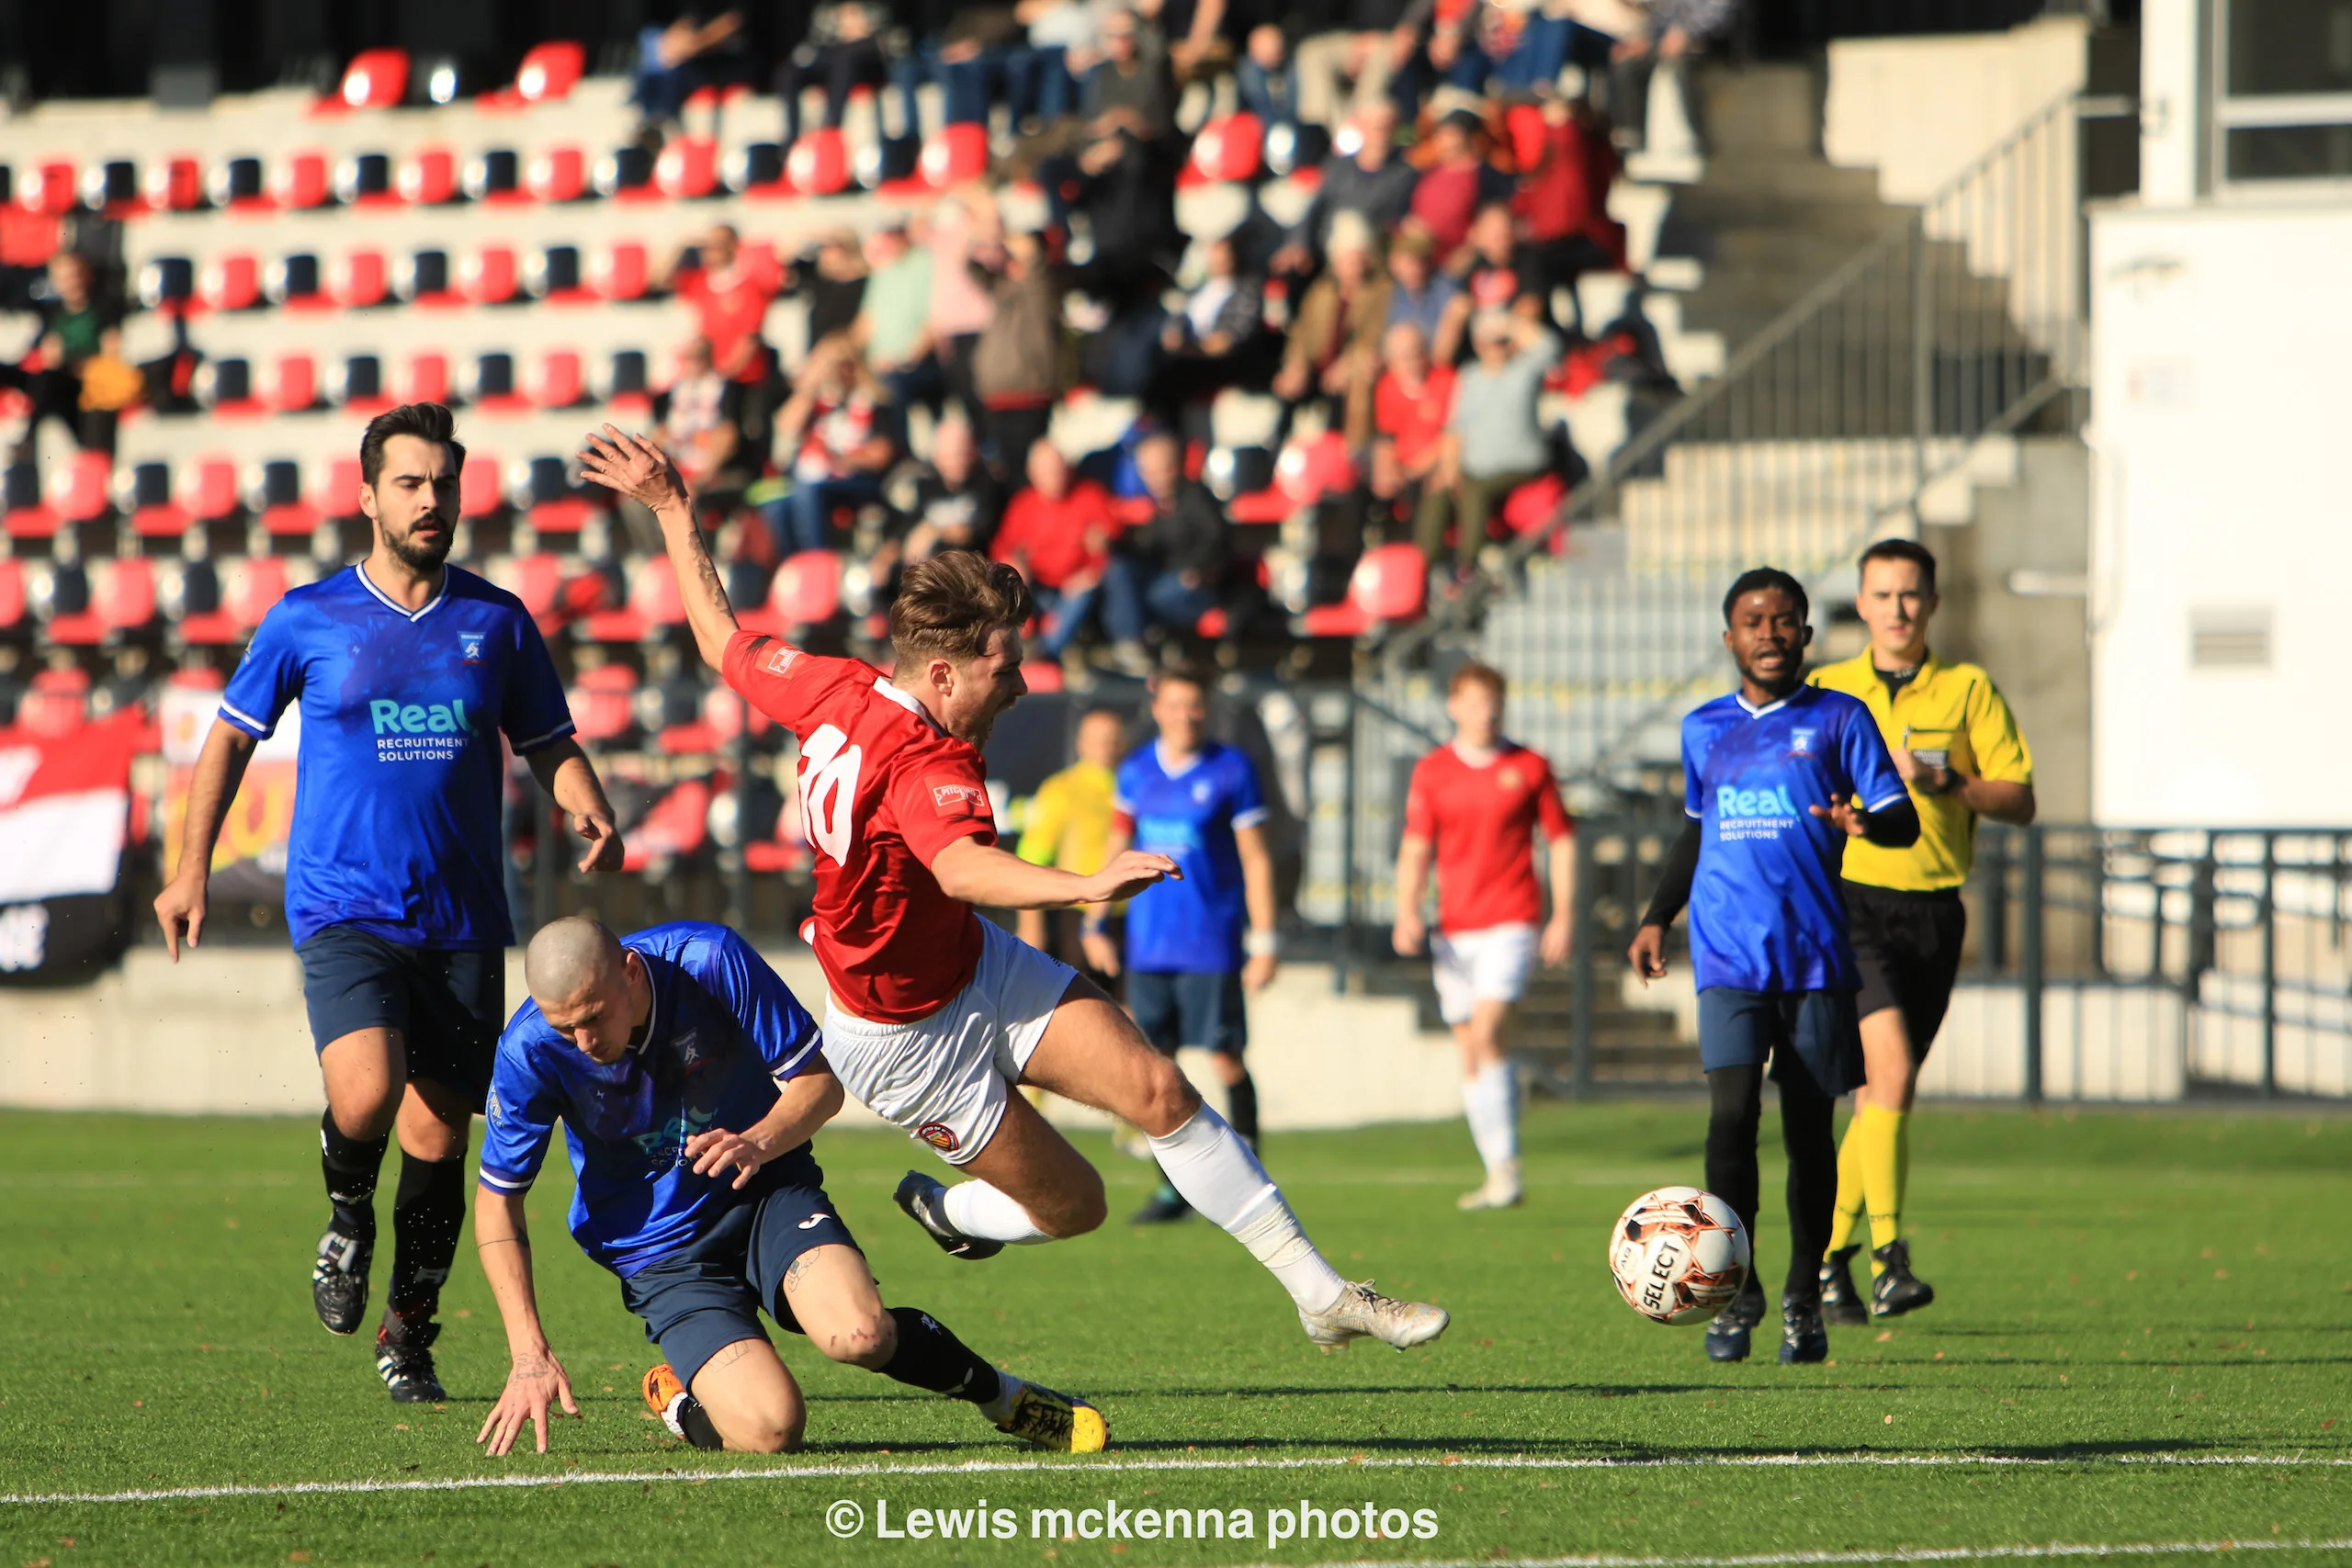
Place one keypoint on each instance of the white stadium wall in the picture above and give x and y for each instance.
(2222, 514)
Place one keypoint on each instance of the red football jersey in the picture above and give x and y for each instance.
(883, 790)
(1483, 821)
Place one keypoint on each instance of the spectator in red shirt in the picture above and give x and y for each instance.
(1563, 205)
(730, 297)
(1455, 183)
(1059, 534)
(837, 438)
(1409, 408)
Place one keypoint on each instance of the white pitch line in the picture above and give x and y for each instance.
(1912, 1554)
(855, 1469)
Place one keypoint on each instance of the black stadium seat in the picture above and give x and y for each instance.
(112, 186)
(624, 169)
(626, 380)
(423, 275)
(492, 381)
(357, 380)
(495, 175)
(294, 280)
(553, 273)
(758, 166)
(364, 177)
(224, 383)
(237, 183)
(167, 282)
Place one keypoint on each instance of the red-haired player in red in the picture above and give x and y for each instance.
(936, 1013)
(1474, 807)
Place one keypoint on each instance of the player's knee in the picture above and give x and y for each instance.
(1168, 1099)
(367, 1115)
(1078, 1207)
(777, 1434)
(862, 1341)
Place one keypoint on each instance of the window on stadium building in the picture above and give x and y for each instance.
(2282, 90)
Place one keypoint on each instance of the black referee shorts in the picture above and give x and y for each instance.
(1906, 945)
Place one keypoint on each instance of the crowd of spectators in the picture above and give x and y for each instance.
(1421, 302)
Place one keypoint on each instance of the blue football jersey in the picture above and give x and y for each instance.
(1193, 926)
(1766, 913)
(400, 784)
(725, 1031)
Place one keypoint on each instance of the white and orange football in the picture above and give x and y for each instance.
(1679, 1255)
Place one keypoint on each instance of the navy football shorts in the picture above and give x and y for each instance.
(1200, 1009)
(708, 1294)
(1816, 1030)
(449, 1004)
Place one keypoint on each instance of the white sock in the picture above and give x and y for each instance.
(1490, 1104)
(1208, 1164)
(1008, 1390)
(984, 1213)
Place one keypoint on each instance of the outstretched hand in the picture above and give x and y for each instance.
(1128, 874)
(1842, 814)
(631, 465)
(535, 1386)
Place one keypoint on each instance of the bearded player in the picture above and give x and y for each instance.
(936, 1013)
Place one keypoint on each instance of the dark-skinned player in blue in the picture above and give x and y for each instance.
(1777, 777)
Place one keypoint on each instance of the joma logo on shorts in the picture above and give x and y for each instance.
(391, 717)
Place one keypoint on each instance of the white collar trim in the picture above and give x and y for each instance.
(882, 685)
(1753, 711)
(388, 603)
(1160, 754)
(652, 1013)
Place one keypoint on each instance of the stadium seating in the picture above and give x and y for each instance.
(1389, 586)
(376, 79)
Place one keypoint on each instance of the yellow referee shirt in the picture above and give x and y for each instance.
(1953, 708)
(1070, 821)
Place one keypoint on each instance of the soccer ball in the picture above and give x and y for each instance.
(1679, 1255)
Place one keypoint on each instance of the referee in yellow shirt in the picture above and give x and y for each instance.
(1069, 823)
(1956, 744)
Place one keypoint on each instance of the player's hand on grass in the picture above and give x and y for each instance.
(604, 841)
(1101, 953)
(1409, 932)
(631, 465)
(714, 1151)
(179, 909)
(1648, 954)
(1128, 874)
(1842, 814)
(1553, 947)
(534, 1385)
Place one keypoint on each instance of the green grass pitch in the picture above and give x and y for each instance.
(2121, 1291)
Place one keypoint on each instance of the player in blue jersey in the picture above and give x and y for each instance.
(407, 672)
(688, 1079)
(1777, 776)
(1198, 943)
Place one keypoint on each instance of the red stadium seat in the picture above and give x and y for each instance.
(557, 382)
(1229, 149)
(231, 282)
(57, 702)
(623, 272)
(604, 703)
(1041, 675)
(335, 490)
(123, 593)
(479, 494)
(208, 489)
(806, 591)
(536, 579)
(175, 184)
(549, 72)
(360, 280)
(724, 711)
(678, 825)
(491, 275)
(688, 167)
(258, 585)
(13, 603)
(559, 174)
(428, 176)
(303, 179)
(429, 377)
(292, 384)
(376, 79)
(653, 593)
(82, 491)
(1531, 504)
(1390, 585)
(52, 188)
(958, 153)
(819, 163)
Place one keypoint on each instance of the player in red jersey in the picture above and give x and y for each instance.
(1474, 807)
(936, 1013)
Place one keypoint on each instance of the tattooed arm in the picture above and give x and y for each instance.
(536, 1380)
(635, 468)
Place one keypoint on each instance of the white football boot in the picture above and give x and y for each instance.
(1499, 1191)
(1364, 1312)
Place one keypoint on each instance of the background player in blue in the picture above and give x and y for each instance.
(407, 672)
(1196, 943)
(1777, 776)
(674, 1058)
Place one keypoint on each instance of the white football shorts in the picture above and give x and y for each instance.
(1490, 965)
(943, 1078)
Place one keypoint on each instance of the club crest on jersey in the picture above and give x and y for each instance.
(1201, 793)
(1800, 743)
(469, 646)
(779, 660)
(940, 1136)
(958, 800)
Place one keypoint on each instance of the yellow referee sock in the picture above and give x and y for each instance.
(1881, 1131)
(1850, 1186)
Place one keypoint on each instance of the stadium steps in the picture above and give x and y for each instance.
(1632, 1047)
